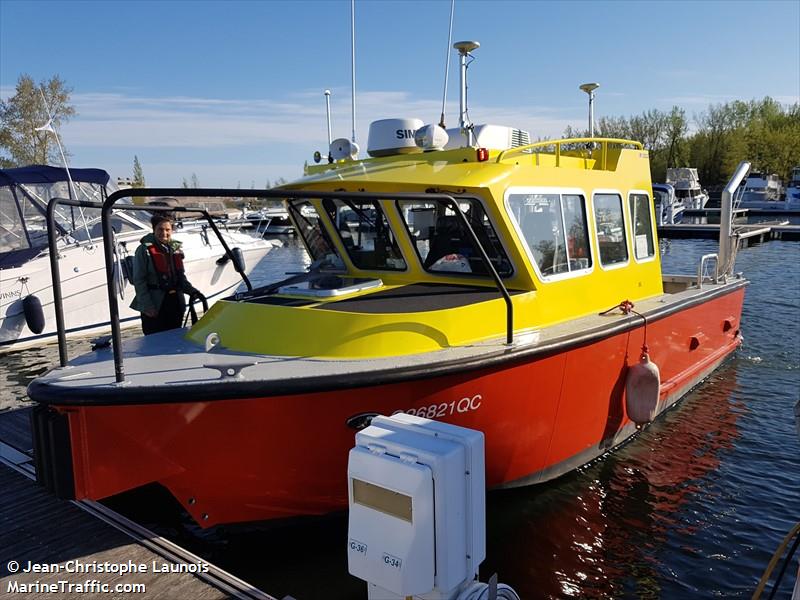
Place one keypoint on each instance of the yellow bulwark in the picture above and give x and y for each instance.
(608, 178)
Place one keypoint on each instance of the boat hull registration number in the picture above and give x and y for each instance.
(445, 409)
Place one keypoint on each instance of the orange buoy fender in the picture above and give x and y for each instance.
(642, 389)
(34, 315)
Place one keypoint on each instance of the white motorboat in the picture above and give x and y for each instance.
(687, 187)
(792, 192)
(26, 292)
(268, 220)
(668, 208)
(764, 192)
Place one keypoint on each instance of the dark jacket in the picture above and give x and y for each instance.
(149, 287)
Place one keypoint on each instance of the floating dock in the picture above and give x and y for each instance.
(755, 233)
(52, 548)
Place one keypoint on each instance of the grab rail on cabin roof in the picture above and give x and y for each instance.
(283, 194)
(602, 142)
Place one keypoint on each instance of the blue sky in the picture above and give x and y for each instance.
(233, 91)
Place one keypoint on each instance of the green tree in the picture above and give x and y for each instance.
(192, 183)
(138, 175)
(24, 112)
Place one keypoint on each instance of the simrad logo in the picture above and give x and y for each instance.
(405, 134)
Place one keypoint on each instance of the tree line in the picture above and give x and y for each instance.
(764, 132)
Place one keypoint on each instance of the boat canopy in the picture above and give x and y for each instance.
(24, 195)
(43, 174)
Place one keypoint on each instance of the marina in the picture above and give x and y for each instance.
(681, 511)
(453, 359)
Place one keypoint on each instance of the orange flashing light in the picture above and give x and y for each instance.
(483, 154)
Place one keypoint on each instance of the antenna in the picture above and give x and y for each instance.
(328, 112)
(589, 88)
(464, 49)
(353, 60)
(447, 62)
(49, 127)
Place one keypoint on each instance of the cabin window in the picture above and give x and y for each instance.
(610, 229)
(443, 243)
(553, 226)
(365, 234)
(12, 234)
(643, 246)
(316, 239)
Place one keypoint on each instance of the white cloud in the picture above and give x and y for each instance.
(221, 139)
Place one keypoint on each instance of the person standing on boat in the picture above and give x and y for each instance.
(159, 278)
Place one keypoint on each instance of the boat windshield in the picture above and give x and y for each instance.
(660, 195)
(13, 215)
(442, 241)
(365, 233)
(81, 224)
(310, 228)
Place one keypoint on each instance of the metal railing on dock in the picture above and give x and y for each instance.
(750, 234)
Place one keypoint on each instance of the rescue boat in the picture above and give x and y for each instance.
(510, 287)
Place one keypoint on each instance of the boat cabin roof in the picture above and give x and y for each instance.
(567, 226)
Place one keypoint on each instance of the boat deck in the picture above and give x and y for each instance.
(166, 367)
(37, 528)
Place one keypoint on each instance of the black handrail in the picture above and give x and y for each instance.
(55, 271)
(497, 279)
(282, 194)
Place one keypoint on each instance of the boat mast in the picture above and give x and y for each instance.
(467, 128)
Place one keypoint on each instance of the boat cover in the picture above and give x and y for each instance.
(38, 174)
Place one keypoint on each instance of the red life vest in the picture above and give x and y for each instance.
(169, 275)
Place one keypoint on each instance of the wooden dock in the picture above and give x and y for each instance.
(81, 548)
(755, 233)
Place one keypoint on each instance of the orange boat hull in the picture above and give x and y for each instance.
(267, 457)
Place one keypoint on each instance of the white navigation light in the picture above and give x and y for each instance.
(392, 136)
(417, 507)
(431, 137)
(343, 149)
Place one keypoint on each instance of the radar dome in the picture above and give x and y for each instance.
(393, 136)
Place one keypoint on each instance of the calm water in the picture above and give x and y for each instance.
(691, 508)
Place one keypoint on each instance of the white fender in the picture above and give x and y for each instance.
(642, 389)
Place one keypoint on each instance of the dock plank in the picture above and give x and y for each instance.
(39, 528)
(15, 429)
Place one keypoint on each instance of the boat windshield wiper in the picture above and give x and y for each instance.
(361, 213)
(319, 269)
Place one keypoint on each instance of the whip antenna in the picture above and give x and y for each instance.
(49, 127)
(353, 60)
(328, 112)
(447, 62)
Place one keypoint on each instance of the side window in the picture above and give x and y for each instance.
(610, 229)
(577, 232)
(443, 243)
(12, 234)
(555, 230)
(365, 234)
(643, 246)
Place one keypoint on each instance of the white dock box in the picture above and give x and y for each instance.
(417, 506)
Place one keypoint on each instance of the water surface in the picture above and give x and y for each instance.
(693, 507)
